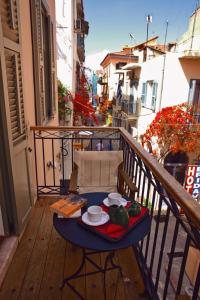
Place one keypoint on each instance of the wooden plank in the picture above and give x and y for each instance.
(132, 278)
(95, 173)
(35, 270)
(72, 262)
(105, 173)
(53, 273)
(17, 271)
(94, 283)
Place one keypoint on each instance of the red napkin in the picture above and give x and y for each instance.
(116, 232)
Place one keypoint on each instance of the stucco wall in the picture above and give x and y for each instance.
(65, 43)
(28, 86)
(177, 75)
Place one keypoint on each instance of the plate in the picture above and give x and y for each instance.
(123, 202)
(104, 219)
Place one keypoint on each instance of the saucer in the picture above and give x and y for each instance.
(122, 202)
(104, 219)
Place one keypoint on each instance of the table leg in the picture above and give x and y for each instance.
(85, 256)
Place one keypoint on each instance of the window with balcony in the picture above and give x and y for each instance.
(120, 65)
(194, 97)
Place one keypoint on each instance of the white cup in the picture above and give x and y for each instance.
(114, 199)
(94, 213)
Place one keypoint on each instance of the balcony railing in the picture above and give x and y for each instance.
(129, 107)
(175, 216)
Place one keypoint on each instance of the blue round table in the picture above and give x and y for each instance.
(72, 232)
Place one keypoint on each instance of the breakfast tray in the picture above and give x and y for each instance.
(113, 232)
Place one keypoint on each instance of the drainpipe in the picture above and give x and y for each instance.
(163, 69)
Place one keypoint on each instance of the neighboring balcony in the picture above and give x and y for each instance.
(157, 268)
(81, 47)
(128, 106)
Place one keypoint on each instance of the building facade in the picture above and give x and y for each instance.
(164, 76)
(70, 34)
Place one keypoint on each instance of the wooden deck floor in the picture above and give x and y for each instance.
(43, 258)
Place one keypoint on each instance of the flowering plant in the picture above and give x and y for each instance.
(64, 100)
(82, 105)
(173, 129)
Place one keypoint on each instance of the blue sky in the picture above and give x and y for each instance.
(111, 21)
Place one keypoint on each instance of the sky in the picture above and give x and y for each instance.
(111, 21)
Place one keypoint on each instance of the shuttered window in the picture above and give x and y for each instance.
(154, 95)
(144, 93)
(53, 66)
(9, 19)
(12, 53)
(15, 94)
(44, 61)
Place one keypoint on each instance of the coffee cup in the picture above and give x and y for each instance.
(114, 199)
(94, 213)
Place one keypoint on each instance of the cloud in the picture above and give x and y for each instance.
(93, 61)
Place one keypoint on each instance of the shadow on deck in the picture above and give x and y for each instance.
(43, 259)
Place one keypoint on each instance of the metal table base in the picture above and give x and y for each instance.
(103, 270)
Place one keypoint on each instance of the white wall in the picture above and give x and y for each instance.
(66, 42)
(175, 85)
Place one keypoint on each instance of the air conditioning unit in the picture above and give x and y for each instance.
(134, 131)
(78, 25)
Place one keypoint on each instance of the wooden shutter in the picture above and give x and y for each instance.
(36, 19)
(9, 19)
(52, 66)
(154, 95)
(15, 93)
(144, 93)
(12, 53)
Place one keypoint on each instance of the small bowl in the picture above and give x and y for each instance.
(94, 213)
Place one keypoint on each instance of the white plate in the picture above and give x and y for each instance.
(104, 219)
(122, 202)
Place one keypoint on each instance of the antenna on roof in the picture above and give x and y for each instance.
(149, 20)
(132, 37)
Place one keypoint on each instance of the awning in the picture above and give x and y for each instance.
(131, 66)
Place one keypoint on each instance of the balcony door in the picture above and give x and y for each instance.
(13, 113)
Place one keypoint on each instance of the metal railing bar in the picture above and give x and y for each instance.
(183, 264)
(155, 235)
(196, 286)
(54, 180)
(151, 213)
(63, 167)
(43, 159)
(162, 248)
(171, 259)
